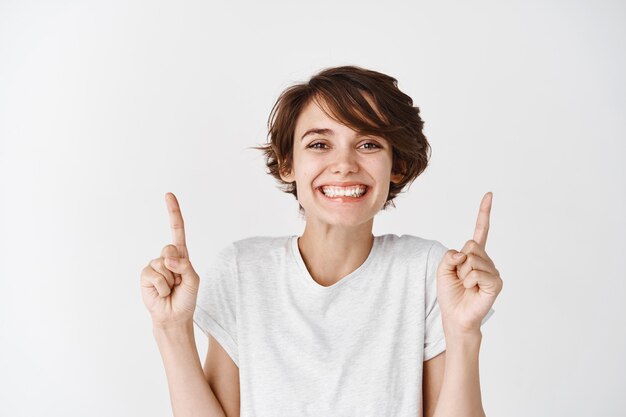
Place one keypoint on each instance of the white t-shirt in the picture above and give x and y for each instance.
(355, 348)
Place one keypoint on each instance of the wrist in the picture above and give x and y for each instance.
(176, 329)
(463, 343)
(454, 333)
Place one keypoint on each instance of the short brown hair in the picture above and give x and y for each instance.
(345, 90)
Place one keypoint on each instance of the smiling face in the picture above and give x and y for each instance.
(329, 153)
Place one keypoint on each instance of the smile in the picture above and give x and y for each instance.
(353, 192)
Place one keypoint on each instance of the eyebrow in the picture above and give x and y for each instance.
(318, 131)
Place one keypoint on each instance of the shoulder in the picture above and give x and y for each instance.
(263, 243)
(249, 254)
(413, 246)
(258, 247)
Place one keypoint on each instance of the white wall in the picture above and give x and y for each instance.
(105, 106)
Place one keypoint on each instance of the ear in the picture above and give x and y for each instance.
(397, 177)
(286, 176)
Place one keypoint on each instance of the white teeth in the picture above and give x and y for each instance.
(356, 191)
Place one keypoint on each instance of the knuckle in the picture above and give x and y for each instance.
(145, 272)
(157, 264)
(185, 265)
(150, 271)
(163, 291)
(159, 280)
(160, 263)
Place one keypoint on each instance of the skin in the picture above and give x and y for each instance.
(467, 287)
(161, 279)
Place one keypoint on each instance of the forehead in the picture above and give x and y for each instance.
(314, 115)
(317, 113)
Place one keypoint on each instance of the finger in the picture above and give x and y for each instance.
(179, 265)
(484, 281)
(152, 279)
(158, 265)
(171, 251)
(473, 278)
(450, 261)
(472, 247)
(473, 263)
(482, 223)
(183, 267)
(176, 224)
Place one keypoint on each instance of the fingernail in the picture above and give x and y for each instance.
(171, 261)
(458, 255)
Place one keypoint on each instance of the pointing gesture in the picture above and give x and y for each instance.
(177, 225)
(169, 284)
(482, 223)
(468, 283)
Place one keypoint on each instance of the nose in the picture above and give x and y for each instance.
(344, 161)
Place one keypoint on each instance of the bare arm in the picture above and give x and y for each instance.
(190, 392)
(223, 376)
(432, 380)
(459, 393)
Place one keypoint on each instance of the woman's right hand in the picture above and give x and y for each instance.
(170, 291)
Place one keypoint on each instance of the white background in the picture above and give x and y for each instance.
(106, 106)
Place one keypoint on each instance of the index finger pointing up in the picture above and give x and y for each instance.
(482, 223)
(177, 224)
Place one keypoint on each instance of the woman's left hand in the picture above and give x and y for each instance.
(467, 286)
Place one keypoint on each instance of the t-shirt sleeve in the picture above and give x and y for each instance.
(216, 306)
(434, 338)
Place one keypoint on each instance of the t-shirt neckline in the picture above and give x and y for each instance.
(308, 280)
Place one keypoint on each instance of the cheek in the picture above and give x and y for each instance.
(305, 178)
(383, 161)
(309, 166)
(383, 171)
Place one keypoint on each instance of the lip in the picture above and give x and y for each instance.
(341, 184)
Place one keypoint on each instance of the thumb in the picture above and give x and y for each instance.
(183, 267)
(451, 260)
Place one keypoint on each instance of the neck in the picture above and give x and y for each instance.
(331, 252)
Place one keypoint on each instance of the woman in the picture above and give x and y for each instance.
(336, 322)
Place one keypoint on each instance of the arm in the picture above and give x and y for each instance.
(432, 380)
(451, 382)
(467, 286)
(190, 392)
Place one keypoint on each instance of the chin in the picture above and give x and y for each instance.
(347, 221)
(347, 215)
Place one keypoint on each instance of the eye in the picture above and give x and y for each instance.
(374, 145)
(314, 145)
